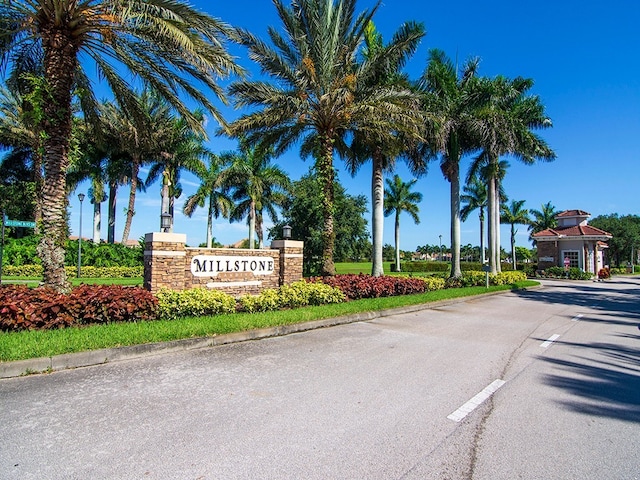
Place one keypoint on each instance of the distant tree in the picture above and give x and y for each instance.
(543, 219)
(626, 236)
(524, 253)
(303, 212)
(400, 198)
(514, 214)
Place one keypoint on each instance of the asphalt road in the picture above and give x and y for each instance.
(541, 384)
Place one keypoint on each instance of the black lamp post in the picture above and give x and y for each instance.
(81, 198)
(286, 232)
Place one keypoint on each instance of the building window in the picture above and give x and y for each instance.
(573, 256)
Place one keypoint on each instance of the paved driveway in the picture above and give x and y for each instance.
(386, 399)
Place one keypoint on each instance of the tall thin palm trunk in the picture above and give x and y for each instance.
(455, 221)
(397, 240)
(135, 172)
(327, 174)
(377, 215)
(97, 219)
(111, 215)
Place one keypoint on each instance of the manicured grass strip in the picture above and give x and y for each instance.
(34, 344)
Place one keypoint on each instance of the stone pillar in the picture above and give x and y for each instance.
(164, 261)
(290, 260)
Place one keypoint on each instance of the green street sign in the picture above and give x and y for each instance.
(19, 223)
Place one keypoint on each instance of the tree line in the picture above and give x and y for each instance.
(332, 86)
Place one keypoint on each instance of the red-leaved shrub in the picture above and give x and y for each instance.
(366, 286)
(23, 308)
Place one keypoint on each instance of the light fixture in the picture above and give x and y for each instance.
(165, 222)
(286, 232)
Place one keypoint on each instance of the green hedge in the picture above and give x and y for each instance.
(85, 272)
(427, 266)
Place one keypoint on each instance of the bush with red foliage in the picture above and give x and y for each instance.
(23, 308)
(367, 286)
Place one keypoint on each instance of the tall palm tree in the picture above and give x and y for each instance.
(165, 44)
(319, 93)
(475, 198)
(447, 97)
(383, 149)
(513, 214)
(210, 192)
(400, 199)
(257, 186)
(507, 120)
(543, 219)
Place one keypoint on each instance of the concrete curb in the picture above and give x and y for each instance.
(109, 355)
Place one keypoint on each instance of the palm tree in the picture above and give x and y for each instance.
(400, 199)
(507, 120)
(182, 148)
(257, 185)
(475, 197)
(383, 149)
(447, 97)
(164, 44)
(514, 214)
(543, 219)
(210, 192)
(320, 92)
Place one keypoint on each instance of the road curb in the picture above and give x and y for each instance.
(110, 355)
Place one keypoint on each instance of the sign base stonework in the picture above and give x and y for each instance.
(169, 263)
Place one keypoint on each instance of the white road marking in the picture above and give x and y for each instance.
(476, 401)
(577, 317)
(548, 343)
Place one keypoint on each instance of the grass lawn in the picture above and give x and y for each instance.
(34, 344)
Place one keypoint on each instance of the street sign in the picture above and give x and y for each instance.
(19, 223)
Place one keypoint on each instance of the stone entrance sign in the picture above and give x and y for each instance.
(168, 263)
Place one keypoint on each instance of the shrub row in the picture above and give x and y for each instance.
(200, 301)
(430, 266)
(23, 308)
(85, 272)
(574, 273)
(298, 294)
(366, 286)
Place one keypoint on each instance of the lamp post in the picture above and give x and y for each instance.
(440, 236)
(165, 222)
(81, 198)
(286, 232)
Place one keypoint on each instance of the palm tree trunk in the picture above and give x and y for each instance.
(377, 214)
(111, 214)
(491, 198)
(60, 63)
(482, 252)
(496, 206)
(455, 222)
(397, 235)
(252, 225)
(97, 218)
(513, 245)
(326, 174)
(210, 221)
(37, 180)
(135, 170)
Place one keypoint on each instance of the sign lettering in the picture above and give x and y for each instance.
(212, 265)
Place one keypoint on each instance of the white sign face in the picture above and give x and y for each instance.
(212, 265)
(546, 259)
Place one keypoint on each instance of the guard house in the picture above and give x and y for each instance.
(572, 243)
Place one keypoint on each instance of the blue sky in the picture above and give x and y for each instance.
(583, 57)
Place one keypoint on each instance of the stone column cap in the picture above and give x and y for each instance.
(287, 244)
(166, 237)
